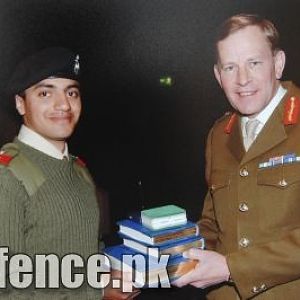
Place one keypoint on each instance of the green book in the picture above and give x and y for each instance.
(161, 217)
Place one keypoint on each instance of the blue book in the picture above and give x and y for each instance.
(145, 270)
(138, 232)
(173, 248)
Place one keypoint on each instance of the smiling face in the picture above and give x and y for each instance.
(51, 108)
(248, 70)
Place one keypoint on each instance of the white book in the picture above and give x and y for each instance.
(162, 217)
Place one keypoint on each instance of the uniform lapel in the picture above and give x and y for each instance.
(235, 141)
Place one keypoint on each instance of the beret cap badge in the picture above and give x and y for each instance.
(76, 65)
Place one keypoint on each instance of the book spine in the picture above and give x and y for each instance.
(176, 250)
(193, 231)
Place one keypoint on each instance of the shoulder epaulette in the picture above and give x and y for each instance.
(7, 153)
(5, 158)
(80, 162)
(230, 122)
(80, 167)
(291, 111)
(21, 167)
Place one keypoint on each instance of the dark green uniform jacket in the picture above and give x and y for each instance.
(57, 213)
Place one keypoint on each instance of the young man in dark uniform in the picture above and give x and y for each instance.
(47, 198)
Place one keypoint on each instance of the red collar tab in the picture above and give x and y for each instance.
(80, 162)
(5, 159)
(230, 123)
(291, 111)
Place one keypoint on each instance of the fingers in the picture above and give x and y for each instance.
(185, 279)
(211, 269)
(199, 284)
(191, 276)
(194, 253)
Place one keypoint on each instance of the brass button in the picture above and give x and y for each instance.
(244, 242)
(283, 183)
(244, 172)
(263, 287)
(243, 207)
(256, 289)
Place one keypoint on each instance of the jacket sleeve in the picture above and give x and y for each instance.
(12, 212)
(12, 199)
(207, 224)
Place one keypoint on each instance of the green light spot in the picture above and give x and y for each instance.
(166, 81)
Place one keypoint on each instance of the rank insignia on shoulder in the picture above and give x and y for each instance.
(291, 111)
(80, 162)
(230, 123)
(5, 158)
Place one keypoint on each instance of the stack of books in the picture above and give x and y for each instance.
(160, 231)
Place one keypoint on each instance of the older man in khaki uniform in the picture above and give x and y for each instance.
(251, 216)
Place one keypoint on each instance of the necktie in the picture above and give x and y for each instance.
(250, 128)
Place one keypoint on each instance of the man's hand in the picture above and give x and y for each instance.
(211, 269)
(111, 293)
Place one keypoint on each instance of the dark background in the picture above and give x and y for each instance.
(143, 142)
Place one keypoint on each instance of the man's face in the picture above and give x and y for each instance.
(51, 108)
(248, 71)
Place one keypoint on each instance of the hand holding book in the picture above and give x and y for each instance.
(211, 269)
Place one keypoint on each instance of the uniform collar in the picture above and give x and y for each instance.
(265, 114)
(36, 141)
(274, 131)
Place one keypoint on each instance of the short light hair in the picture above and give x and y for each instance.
(240, 21)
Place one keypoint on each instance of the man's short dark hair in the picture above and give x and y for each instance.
(240, 21)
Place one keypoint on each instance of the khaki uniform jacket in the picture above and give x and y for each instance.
(252, 214)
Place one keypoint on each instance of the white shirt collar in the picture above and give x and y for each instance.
(36, 141)
(265, 114)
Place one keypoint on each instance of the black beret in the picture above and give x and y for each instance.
(56, 62)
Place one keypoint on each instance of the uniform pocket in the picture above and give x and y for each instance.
(281, 176)
(278, 195)
(219, 180)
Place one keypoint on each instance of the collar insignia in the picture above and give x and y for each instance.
(230, 123)
(291, 111)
